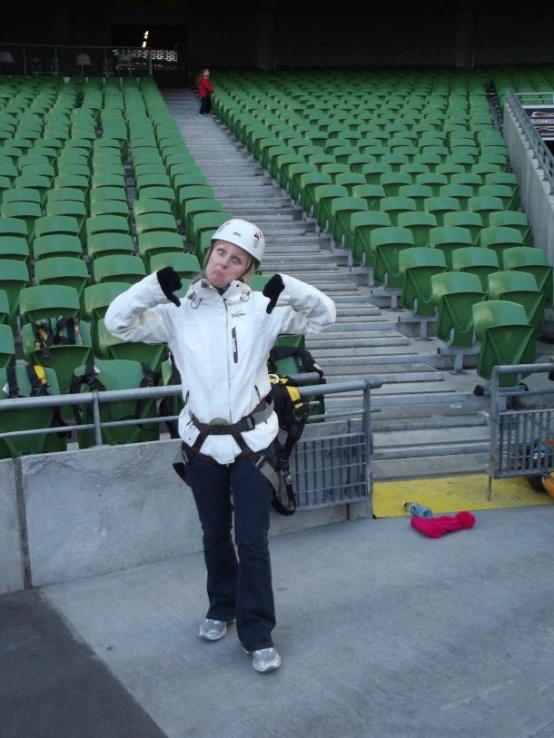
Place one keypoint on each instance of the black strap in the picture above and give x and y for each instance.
(44, 336)
(47, 335)
(150, 379)
(11, 376)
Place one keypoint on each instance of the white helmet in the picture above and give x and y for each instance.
(244, 234)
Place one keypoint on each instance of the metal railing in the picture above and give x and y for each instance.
(514, 100)
(328, 468)
(84, 61)
(521, 439)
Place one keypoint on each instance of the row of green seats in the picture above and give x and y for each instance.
(420, 270)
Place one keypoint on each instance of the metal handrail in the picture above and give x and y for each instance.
(498, 405)
(540, 149)
(97, 398)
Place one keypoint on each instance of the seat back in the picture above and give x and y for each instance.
(43, 417)
(115, 374)
(506, 337)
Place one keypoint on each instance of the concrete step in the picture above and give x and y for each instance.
(423, 467)
(417, 439)
(388, 378)
(361, 365)
(382, 423)
(263, 215)
(375, 338)
(373, 325)
(351, 312)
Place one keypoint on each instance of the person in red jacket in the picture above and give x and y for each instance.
(205, 92)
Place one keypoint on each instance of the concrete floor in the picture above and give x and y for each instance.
(383, 632)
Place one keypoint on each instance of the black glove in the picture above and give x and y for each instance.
(170, 282)
(272, 290)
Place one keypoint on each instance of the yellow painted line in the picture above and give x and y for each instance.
(451, 494)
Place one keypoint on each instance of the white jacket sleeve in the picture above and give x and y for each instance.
(138, 314)
(311, 309)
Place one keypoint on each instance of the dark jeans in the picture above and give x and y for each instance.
(205, 105)
(242, 588)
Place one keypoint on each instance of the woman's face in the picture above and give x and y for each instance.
(226, 263)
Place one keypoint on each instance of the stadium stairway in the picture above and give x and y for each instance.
(426, 419)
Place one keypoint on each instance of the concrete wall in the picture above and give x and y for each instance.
(11, 555)
(535, 190)
(99, 510)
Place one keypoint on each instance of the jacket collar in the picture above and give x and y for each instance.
(204, 291)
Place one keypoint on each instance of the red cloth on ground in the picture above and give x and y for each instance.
(442, 524)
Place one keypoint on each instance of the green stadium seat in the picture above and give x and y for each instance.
(484, 205)
(118, 268)
(39, 417)
(393, 206)
(28, 212)
(108, 193)
(513, 219)
(48, 301)
(342, 208)
(535, 262)
(448, 239)
(308, 181)
(4, 308)
(506, 338)
(109, 346)
(258, 281)
(476, 260)
(63, 270)
(46, 247)
(499, 239)
(117, 374)
(386, 244)
(186, 265)
(520, 287)
(420, 225)
(108, 244)
(98, 297)
(14, 247)
(454, 294)
(362, 226)
(106, 224)
(393, 181)
(201, 222)
(118, 208)
(416, 266)
(416, 192)
(153, 242)
(74, 348)
(22, 194)
(7, 343)
(14, 276)
(58, 225)
(161, 193)
(64, 194)
(472, 222)
(502, 192)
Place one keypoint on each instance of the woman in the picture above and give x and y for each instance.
(220, 336)
(205, 92)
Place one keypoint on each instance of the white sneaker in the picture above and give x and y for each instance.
(266, 659)
(213, 630)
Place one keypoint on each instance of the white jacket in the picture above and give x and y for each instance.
(220, 345)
